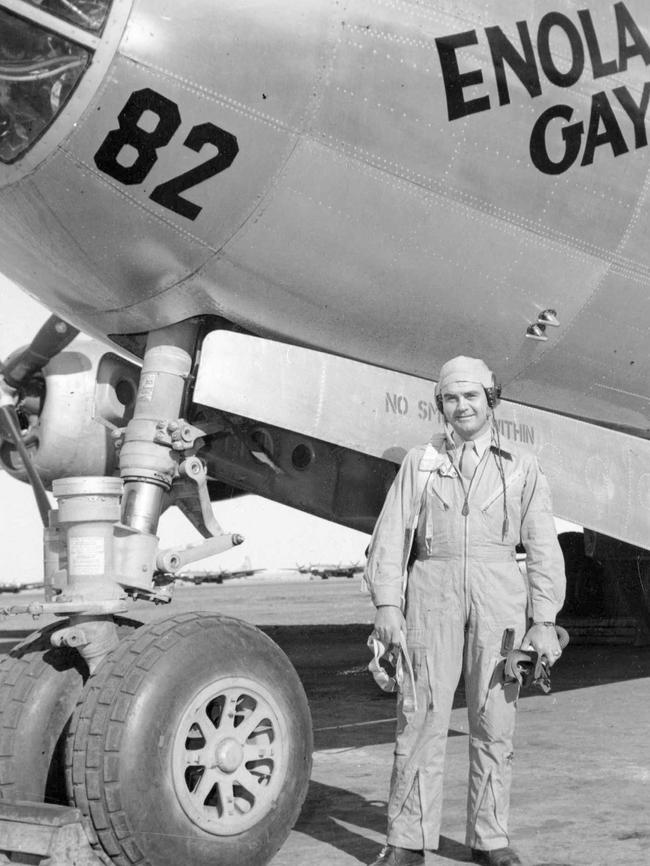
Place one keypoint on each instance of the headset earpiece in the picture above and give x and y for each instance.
(492, 394)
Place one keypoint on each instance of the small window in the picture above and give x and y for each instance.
(302, 457)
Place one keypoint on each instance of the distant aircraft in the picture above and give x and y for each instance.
(327, 570)
(289, 214)
(199, 577)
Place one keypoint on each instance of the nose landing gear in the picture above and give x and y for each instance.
(191, 739)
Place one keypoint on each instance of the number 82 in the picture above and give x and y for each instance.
(147, 142)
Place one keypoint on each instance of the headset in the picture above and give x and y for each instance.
(492, 395)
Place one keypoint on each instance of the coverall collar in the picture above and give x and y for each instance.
(481, 443)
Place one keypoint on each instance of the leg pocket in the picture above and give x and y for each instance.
(493, 681)
(414, 685)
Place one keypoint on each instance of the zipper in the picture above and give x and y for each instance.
(465, 513)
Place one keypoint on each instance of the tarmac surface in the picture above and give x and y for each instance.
(581, 792)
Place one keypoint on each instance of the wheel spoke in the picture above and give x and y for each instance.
(225, 726)
(196, 757)
(246, 728)
(257, 753)
(227, 796)
(211, 737)
(204, 787)
(248, 781)
(200, 742)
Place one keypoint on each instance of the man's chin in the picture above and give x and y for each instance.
(467, 428)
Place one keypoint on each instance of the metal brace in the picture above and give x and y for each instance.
(189, 488)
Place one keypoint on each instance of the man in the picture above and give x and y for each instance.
(442, 571)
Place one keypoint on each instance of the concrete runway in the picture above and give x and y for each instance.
(581, 793)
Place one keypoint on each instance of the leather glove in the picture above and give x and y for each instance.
(527, 668)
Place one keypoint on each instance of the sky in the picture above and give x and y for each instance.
(276, 536)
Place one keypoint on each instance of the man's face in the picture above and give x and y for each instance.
(465, 407)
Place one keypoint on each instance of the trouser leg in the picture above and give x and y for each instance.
(415, 801)
(491, 709)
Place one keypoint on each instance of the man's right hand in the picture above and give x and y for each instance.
(389, 624)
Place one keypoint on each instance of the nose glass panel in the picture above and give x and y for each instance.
(89, 14)
(38, 72)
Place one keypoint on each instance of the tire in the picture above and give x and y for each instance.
(191, 711)
(39, 688)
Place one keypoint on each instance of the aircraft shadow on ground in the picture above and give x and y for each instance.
(331, 815)
(349, 710)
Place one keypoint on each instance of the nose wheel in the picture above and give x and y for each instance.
(192, 745)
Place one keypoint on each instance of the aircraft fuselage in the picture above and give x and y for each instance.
(392, 182)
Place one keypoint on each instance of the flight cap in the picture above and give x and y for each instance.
(462, 369)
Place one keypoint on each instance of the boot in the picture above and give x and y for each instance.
(496, 857)
(393, 856)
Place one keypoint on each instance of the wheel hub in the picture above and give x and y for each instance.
(229, 755)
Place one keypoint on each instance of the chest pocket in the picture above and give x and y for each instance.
(491, 507)
(435, 525)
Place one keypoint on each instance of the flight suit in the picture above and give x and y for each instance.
(438, 550)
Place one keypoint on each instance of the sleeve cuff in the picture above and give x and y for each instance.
(387, 595)
(544, 613)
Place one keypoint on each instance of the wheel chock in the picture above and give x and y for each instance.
(55, 834)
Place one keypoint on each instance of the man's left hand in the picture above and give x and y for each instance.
(542, 639)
